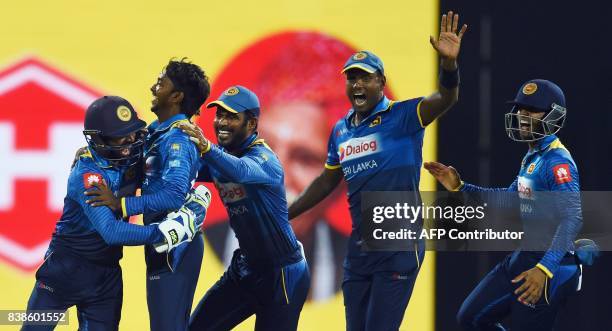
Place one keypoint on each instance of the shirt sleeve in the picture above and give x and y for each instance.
(258, 166)
(113, 230)
(180, 157)
(409, 114)
(499, 197)
(333, 161)
(561, 175)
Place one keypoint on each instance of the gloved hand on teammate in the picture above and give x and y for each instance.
(183, 225)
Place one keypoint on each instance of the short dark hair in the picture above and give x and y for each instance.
(190, 79)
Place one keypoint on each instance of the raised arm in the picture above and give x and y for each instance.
(447, 45)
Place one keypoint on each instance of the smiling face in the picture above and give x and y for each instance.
(231, 128)
(364, 89)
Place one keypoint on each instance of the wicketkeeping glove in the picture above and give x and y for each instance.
(178, 227)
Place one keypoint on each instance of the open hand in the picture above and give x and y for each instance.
(530, 291)
(446, 175)
(448, 42)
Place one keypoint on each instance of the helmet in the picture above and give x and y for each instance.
(114, 117)
(536, 95)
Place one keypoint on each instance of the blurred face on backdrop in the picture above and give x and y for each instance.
(298, 133)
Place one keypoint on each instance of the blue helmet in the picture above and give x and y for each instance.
(114, 117)
(536, 95)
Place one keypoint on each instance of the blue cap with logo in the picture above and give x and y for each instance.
(366, 61)
(112, 116)
(237, 99)
(539, 94)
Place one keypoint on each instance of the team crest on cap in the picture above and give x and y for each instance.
(124, 113)
(232, 91)
(360, 56)
(530, 88)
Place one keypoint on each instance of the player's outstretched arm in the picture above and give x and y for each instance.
(447, 45)
(320, 188)
(446, 175)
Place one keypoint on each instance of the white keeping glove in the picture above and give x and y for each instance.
(178, 227)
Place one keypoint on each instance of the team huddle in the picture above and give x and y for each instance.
(268, 275)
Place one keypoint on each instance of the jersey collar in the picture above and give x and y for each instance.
(383, 105)
(156, 126)
(543, 144)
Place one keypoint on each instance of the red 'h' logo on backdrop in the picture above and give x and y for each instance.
(41, 123)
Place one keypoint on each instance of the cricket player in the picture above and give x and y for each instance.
(81, 266)
(171, 166)
(268, 275)
(532, 283)
(377, 147)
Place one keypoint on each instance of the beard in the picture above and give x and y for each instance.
(238, 136)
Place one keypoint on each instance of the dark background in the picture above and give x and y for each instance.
(508, 43)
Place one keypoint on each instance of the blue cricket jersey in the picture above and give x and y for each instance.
(550, 219)
(95, 233)
(171, 166)
(382, 153)
(251, 186)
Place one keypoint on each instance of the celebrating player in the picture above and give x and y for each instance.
(171, 165)
(530, 285)
(81, 266)
(268, 275)
(377, 285)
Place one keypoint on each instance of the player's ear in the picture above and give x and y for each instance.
(383, 79)
(252, 124)
(177, 97)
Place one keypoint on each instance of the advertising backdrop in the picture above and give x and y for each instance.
(59, 56)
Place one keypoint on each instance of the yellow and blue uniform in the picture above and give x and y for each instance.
(268, 275)
(171, 165)
(81, 266)
(549, 193)
(382, 153)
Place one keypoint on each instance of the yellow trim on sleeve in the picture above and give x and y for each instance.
(557, 144)
(123, 208)
(284, 287)
(458, 188)
(419, 113)
(332, 167)
(546, 271)
(207, 148)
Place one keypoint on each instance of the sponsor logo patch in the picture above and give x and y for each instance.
(525, 188)
(91, 178)
(562, 173)
(359, 147)
(231, 192)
